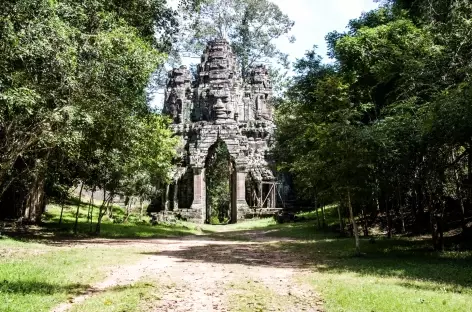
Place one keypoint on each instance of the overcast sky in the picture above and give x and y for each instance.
(313, 20)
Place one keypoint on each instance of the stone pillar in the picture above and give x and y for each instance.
(260, 194)
(199, 193)
(239, 205)
(166, 198)
(274, 196)
(176, 195)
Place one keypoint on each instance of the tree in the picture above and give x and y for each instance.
(251, 26)
(72, 75)
(385, 129)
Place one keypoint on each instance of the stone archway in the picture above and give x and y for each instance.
(219, 179)
(218, 105)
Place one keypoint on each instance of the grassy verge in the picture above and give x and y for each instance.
(253, 224)
(136, 297)
(110, 228)
(37, 277)
(399, 274)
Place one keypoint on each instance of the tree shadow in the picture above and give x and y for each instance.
(42, 288)
(251, 254)
(412, 260)
(51, 232)
(409, 260)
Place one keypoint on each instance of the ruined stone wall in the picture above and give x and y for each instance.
(218, 105)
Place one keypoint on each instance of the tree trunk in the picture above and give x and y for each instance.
(128, 208)
(463, 222)
(389, 220)
(101, 212)
(141, 209)
(434, 232)
(78, 209)
(35, 202)
(399, 207)
(317, 215)
(62, 209)
(441, 233)
(89, 208)
(460, 197)
(91, 211)
(421, 221)
(103, 209)
(341, 225)
(323, 216)
(433, 225)
(366, 228)
(109, 211)
(354, 225)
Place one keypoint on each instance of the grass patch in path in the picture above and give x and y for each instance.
(247, 296)
(36, 277)
(140, 296)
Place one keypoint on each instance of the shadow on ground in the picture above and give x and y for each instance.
(34, 287)
(412, 260)
(300, 246)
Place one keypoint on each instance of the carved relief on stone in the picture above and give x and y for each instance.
(178, 102)
(261, 88)
(224, 108)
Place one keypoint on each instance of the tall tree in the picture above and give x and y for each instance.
(251, 26)
(386, 125)
(72, 74)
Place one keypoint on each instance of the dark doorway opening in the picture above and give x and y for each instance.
(219, 176)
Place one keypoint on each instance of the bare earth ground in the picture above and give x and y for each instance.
(200, 273)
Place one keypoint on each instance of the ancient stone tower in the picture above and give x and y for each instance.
(217, 105)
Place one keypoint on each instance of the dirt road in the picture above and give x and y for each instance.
(202, 273)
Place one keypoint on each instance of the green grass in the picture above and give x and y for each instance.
(133, 228)
(37, 277)
(252, 224)
(247, 296)
(400, 274)
(136, 297)
(331, 215)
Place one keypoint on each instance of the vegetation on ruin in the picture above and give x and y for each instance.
(378, 142)
(217, 179)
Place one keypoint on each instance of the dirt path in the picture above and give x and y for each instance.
(201, 274)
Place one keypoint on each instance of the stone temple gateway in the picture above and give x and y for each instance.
(217, 106)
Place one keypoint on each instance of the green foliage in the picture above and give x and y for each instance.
(218, 173)
(73, 102)
(251, 26)
(388, 123)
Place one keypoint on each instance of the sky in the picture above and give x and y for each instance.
(314, 19)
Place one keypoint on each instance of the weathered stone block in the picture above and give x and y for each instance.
(215, 109)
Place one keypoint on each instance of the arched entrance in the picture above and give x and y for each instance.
(220, 181)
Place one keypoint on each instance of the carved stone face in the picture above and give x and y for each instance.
(220, 109)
